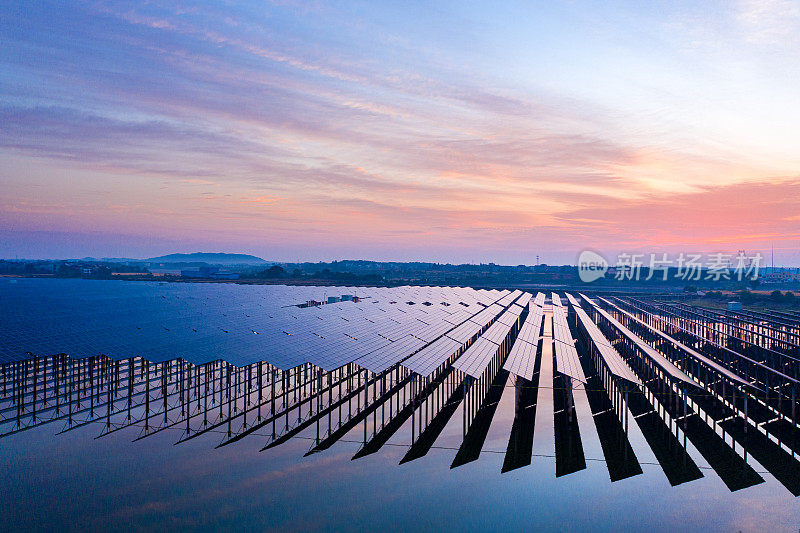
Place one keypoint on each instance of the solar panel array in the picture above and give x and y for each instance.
(432, 356)
(613, 361)
(420, 327)
(477, 357)
(241, 324)
(665, 364)
(522, 357)
(423, 329)
(694, 353)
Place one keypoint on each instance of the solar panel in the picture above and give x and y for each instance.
(511, 316)
(465, 331)
(497, 332)
(693, 353)
(524, 299)
(521, 360)
(665, 364)
(486, 316)
(539, 300)
(613, 361)
(508, 298)
(572, 300)
(555, 299)
(429, 358)
(430, 333)
(386, 356)
(458, 317)
(529, 332)
(567, 361)
(477, 357)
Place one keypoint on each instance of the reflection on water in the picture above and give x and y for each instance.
(385, 420)
(259, 448)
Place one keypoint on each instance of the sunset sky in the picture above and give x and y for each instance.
(441, 131)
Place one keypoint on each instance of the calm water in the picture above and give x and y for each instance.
(75, 481)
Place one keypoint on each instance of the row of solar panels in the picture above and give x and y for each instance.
(478, 356)
(567, 362)
(686, 349)
(665, 364)
(522, 357)
(611, 358)
(339, 330)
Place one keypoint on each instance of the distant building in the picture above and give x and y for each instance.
(734, 306)
(207, 272)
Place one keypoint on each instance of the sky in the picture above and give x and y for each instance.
(442, 131)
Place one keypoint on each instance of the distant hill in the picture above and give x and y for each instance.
(212, 259)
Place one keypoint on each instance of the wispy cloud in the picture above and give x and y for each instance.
(312, 122)
(769, 21)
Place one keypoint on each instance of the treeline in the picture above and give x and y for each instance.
(746, 296)
(69, 269)
(278, 272)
